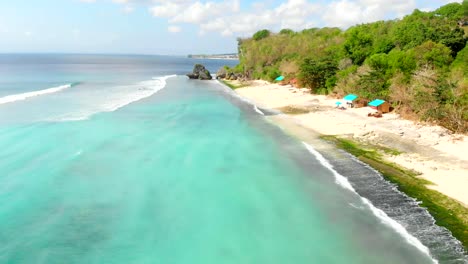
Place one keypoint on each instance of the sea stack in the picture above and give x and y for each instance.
(200, 72)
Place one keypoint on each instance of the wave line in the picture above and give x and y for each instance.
(23, 96)
(145, 89)
(343, 182)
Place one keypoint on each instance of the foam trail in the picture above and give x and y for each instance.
(145, 89)
(258, 110)
(339, 179)
(236, 95)
(151, 87)
(343, 181)
(24, 96)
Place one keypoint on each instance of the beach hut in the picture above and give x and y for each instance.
(349, 99)
(380, 105)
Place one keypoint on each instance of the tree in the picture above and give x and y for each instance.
(286, 31)
(358, 44)
(419, 27)
(460, 62)
(433, 54)
(454, 39)
(465, 8)
(451, 11)
(379, 62)
(264, 33)
(318, 74)
(403, 61)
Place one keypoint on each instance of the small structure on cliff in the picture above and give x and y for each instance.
(349, 99)
(200, 72)
(380, 105)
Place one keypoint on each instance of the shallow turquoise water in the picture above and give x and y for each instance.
(123, 167)
(188, 175)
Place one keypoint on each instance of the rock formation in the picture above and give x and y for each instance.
(226, 74)
(221, 73)
(200, 72)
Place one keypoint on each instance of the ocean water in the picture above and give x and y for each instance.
(122, 159)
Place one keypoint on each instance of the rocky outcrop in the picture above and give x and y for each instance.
(221, 73)
(200, 72)
(228, 75)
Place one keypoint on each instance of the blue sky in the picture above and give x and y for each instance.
(175, 27)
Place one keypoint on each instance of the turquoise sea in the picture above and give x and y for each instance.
(122, 159)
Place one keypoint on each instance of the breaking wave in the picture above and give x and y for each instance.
(23, 96)
(131, 94)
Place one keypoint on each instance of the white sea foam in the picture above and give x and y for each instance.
(258, 110)
(343, 181)
(132, 94)
(356, 206)
(236, 95)
(24, 96)
(147, 89)
(339, 179)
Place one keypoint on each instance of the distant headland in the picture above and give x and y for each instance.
(227, 56)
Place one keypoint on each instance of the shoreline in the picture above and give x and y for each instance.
(430, 150)
(428, 157)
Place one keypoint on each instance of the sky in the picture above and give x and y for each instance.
(175, 27)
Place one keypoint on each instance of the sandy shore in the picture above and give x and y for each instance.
(440, 157)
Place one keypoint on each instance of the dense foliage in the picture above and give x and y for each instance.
(418, 63)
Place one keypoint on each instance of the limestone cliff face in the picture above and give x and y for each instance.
(200, 72)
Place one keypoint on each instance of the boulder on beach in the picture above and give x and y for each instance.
(221, 73)
(200, 72)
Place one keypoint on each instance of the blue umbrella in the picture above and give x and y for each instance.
(279, 78)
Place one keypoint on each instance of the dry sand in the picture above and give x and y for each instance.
(440, 157)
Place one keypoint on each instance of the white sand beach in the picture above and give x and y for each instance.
(440, 156)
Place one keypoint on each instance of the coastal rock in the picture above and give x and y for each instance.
(224, 73)
(221, 73)
(200, 72)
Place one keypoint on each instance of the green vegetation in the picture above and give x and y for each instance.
(418, 63)
(446, 211)
(261, 34)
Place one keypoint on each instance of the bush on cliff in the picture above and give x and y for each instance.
(419, 62)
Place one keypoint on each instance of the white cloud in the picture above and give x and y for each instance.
(228, 18)
(194, 12)
(166, 10)
(294, 14)
(174, 29)
(346, 13)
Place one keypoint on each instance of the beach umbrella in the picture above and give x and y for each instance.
(279, 78)
(338, 103)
